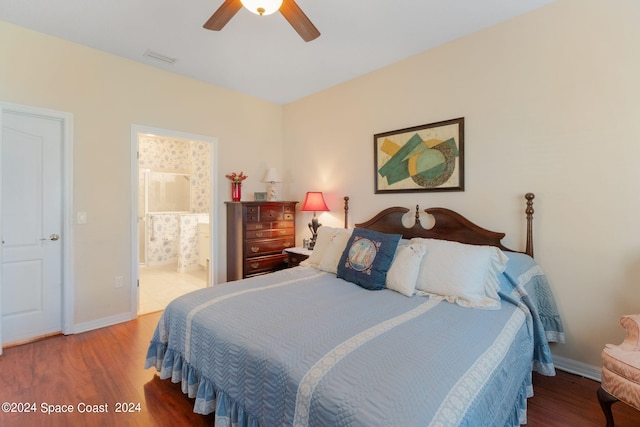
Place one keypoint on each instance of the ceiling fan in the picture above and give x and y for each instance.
(288, 8)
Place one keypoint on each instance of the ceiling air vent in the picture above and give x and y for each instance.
(160, 57)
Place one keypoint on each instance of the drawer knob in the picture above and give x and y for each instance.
(259, 234)
(255, 265)
(258, 226)
(283, 232)
(255, 249)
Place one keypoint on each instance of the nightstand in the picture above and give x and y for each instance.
(296, 255)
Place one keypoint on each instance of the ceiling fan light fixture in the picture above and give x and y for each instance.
(262, 7)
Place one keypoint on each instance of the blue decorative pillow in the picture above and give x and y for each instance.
(367, 258)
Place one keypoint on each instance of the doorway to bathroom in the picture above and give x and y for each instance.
(174, 222)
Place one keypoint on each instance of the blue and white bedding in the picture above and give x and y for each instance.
(301, 347)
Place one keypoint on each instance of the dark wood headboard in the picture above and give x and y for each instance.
(448, 225)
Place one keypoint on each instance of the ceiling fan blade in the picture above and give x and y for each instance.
(298, 20)
(223, 15)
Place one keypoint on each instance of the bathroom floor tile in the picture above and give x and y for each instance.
(159, 285)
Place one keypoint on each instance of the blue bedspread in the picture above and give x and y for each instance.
(302, 348)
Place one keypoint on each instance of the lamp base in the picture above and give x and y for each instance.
(272, 195)
(313, 226)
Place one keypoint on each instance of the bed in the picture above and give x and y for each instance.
(308, 346)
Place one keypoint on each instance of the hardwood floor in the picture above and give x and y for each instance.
(568, 400)
(105, 368)
(99, 367)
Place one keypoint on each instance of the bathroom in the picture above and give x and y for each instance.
(173, 218)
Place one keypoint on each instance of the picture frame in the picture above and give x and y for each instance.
(260, 196)
(421, 158)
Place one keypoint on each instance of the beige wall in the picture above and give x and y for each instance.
(552, 106)
(107, 94)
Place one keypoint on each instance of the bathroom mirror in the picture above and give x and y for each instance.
(169, 192)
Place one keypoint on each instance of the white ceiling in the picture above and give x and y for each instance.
(263, 56)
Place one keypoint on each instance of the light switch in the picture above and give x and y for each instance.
(82, 217)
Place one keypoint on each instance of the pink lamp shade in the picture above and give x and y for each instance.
(314, 201)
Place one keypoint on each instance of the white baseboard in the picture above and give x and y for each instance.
(578, 368)
(101, 323)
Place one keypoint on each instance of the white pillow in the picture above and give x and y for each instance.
(325, 234)
(324, 238)
(460, 273)
(334, 251)
(403, 273)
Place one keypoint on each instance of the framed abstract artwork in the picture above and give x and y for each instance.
(421, 158)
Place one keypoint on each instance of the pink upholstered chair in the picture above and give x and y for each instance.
(621, 370)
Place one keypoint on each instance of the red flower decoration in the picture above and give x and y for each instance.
(236, 177)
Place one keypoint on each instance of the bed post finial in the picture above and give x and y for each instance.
(418, 214)
(529, 212)
(346, 211)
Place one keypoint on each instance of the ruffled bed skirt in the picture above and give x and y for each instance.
(171, 364)
(228, 413)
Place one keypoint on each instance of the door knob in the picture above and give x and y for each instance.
(53, 237)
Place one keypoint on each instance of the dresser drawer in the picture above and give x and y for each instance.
(252, 214)
(271, 213)
(258, 234)
(264, 234)
(258, 226)
(264, 264)
(262, 247)
(283, 224)
(281, 232)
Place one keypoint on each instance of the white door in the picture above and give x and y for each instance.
(31, 225)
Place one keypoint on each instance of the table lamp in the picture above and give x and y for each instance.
(314, 201)
(272, 178)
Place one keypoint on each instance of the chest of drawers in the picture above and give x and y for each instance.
(257, 234)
